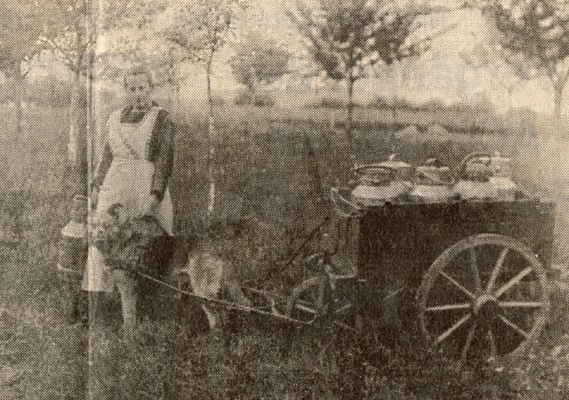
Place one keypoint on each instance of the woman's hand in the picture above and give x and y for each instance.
(149, 205)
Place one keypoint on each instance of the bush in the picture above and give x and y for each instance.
(331, 102)
(256, 99)
(434, 105)
(380, 103)
(259, 59)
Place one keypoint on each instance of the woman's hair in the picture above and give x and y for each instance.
(138, 70)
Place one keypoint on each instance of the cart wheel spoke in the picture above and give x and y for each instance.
(302, 307)
(497, 269)
(521, 304)
(475, 271)
(448, 307)
(515, 280)
(514, 327)
(453, 328)
(467, 343)
(492, 341)
(458, 285)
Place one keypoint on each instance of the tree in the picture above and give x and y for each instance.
(198, 29)
(346, 37)
(508, 75)
(258, 58)
(20, 29)
(67, 34)
(536, 32)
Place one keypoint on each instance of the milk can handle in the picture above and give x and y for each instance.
(337, 198)
(358, 168)
(462, 166)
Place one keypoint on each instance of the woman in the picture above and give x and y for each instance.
(134, 170)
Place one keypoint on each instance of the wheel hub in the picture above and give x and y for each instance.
(485, 307)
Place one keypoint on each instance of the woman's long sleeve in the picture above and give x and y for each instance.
(162, 154)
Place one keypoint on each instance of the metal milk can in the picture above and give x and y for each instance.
(485, 176)
(474, 178)
(382, 182)
(432, 183)
(73, 257)
(502, 177)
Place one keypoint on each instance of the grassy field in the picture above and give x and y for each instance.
(273, 168)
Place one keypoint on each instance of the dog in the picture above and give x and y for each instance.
(208, 276)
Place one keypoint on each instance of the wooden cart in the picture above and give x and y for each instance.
(470, 276)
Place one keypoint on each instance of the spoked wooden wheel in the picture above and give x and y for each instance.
(485, 296)
(313, 299)
(306, 303)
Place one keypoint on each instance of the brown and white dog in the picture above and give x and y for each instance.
(209, 277)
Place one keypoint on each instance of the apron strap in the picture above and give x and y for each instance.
(151, 114)
(132, 151)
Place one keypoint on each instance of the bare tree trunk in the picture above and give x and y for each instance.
(74, 121)
(18, 98)
(559, 81)
(395, 99)
(349, 122)
(211, 141)
(77, 170)
(510, 91)
(253, 83)
(558, 98)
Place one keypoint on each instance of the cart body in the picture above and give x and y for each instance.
(391, 247)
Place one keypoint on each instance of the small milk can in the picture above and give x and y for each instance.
(381, 183)
(474, 178)
(486, 176)
(502, 177)
(432, 183)
(73, 257)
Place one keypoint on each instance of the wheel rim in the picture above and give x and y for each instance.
(485, 296)
(306, 303)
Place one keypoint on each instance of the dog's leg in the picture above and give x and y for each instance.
(127, 290)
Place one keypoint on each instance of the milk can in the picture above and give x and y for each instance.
(381, 183)
(73, 257)
(432, 183)
(502, 177)
(485, 176)
(474, 178)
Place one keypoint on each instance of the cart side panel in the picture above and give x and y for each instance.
(398, 242)
(346, 232)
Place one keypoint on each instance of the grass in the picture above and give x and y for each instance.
(265, 171)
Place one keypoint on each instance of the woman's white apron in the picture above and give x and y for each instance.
(128, 182)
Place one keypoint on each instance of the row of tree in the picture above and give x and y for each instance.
(48, 92)
(346, 39)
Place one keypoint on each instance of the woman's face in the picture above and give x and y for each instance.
(138, 91)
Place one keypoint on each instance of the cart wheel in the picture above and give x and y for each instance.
(308, 302)
(485, 296)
